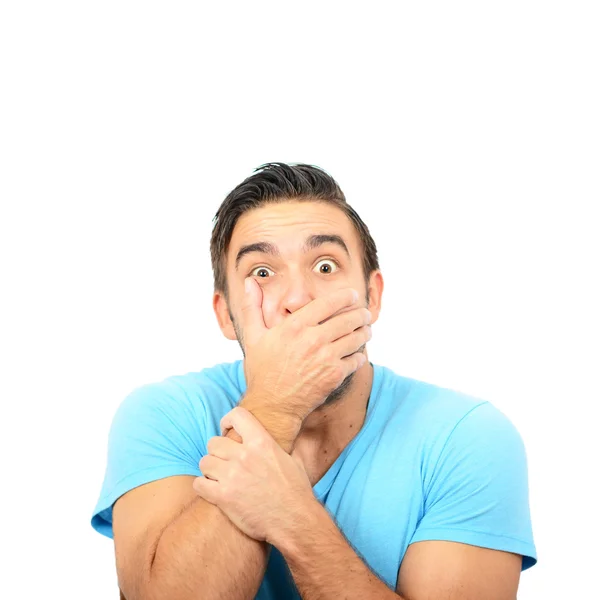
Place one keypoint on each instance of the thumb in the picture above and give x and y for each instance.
(252, 315)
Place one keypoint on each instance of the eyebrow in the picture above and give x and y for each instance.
(312, 242)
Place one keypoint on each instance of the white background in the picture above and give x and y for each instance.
(466, 135)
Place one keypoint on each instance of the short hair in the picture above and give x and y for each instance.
(273, 183)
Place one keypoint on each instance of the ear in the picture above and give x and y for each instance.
(222, 313)
(375, 293)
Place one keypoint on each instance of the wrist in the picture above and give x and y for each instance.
(281, 425)
(289, 537)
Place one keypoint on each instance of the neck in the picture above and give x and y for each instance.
(338, 423)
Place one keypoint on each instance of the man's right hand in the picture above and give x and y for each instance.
(294, 366)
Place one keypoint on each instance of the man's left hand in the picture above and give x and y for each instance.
(263, 490)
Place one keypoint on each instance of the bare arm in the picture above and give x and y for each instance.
(203, 554)
(200, 553)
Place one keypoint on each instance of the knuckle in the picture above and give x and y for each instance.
(327, 357)
(234, 474)
(225, 490)
(314, 341)
(338, 373)
(332, 363)
(256, 445)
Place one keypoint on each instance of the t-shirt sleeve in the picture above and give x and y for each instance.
(155, 433)
(478, 491)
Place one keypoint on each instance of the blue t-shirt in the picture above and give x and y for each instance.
(429, 463)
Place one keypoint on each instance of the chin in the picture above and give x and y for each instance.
(340, 391)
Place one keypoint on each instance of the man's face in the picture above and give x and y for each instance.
(294, 278)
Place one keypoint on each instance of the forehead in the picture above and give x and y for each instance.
(288, 224)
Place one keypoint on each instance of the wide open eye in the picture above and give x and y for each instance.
(260, 269)
(331, 266)
(328, 261)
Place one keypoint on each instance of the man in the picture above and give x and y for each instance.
(305, 470)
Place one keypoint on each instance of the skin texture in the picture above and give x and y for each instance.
(251, 472)
(289, 283)
(260, 487)
(255, 471)
(266, 494)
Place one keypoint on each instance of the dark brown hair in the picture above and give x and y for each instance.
(279, 182)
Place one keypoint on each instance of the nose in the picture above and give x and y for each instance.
(296, 295)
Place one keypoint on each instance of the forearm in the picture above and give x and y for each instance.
(283, 428)
(324, 565)
(203, 551)
(203, 554)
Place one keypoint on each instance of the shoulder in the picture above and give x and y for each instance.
(430, 409)
(468, 443)
(161, 429)
(212, 387)
(187, 406)
(439, 419)
(465, 425)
